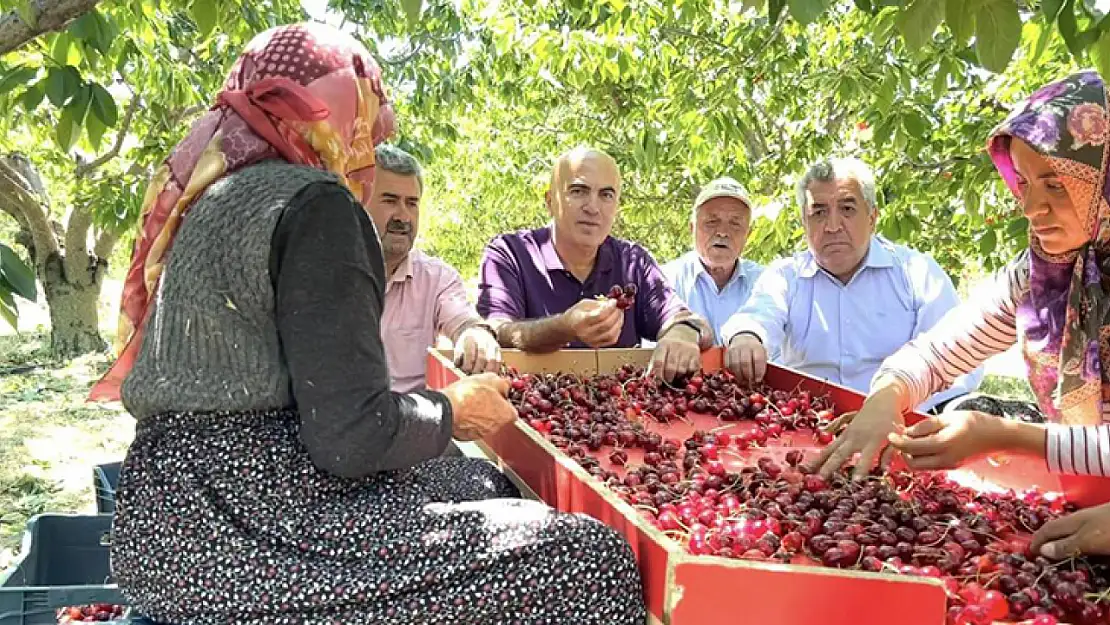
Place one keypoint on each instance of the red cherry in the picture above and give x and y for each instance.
(996, 605)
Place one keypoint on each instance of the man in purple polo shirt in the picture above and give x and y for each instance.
(538, 288)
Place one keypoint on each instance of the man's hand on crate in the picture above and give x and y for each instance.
(866, 433)
(746, 357)
(479, 406)
(1086, 532)
(477, 350)
(677, 353)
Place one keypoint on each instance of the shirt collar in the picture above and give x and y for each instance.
(546, 241)
(878, 255)
(404, 270)
(738, 273)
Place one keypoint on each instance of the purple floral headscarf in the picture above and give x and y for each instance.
(1063, 322)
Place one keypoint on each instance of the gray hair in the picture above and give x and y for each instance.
(397, 161)
(836, 168)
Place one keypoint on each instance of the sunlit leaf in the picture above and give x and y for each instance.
(919, 21)
(997, 33)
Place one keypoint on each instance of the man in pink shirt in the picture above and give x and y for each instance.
(425, 297)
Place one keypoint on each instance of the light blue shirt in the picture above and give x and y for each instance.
(811, 322)
(696, 287)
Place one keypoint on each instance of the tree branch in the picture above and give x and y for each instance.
(47, 16)
(105, 243)
(77, 245)
(681, 32)
(16, 187)
(17, 215)
(85, 169)
(406, 58)
(185, 113)
(939, 165)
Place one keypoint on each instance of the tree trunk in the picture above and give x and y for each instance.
(74, 318)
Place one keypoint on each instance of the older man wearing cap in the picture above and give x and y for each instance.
(838, 309)
(713, 279)
(545, 289)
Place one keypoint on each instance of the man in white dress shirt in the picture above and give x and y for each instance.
(714, 279)
(838, 309)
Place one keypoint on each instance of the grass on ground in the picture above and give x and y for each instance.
(50, 439)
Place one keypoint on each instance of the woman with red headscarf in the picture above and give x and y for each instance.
(274, 477)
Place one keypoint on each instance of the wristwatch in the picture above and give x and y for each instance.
(690, 324)
(485, 325)
(742, 333)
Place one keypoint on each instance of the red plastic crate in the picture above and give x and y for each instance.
(684, 589)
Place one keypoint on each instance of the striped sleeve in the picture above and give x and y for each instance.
(1078, 449)
(980, 327)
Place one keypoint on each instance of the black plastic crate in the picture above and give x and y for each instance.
(63, 562)
(105, 479)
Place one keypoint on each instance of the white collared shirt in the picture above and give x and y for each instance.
(696, 287)
(811, 322)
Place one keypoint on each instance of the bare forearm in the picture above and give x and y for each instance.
(1020, 437)
(535, 335)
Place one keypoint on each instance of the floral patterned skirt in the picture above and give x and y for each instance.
(225, 519)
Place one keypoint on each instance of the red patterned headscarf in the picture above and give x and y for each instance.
(307, 94)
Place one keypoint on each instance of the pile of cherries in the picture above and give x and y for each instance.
(96, 612)
(912, 524)
(625, 296)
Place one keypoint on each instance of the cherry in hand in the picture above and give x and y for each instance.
(625, 296)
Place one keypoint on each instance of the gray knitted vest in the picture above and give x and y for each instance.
(211, 342)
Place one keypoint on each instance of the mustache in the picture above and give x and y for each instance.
(720, 241)
(397, 226)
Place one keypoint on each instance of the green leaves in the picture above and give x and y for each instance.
(988, 242)
(15, 276)
(104, 106)
(94, 29)
(806, 11)
(1069, 29)
(915, 124)
(61, 84)
(997, 33)
(205, 13)
(1101, 54)
(412, 9)
(72, 120)
(26, 11)
(919, 21)
(1051, 9)
(16, 76)
(960, 18)
(33, 96)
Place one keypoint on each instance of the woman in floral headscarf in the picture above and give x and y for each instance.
(1052, 152)
(273, 477)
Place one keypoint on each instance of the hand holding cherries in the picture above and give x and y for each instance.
(625, 296)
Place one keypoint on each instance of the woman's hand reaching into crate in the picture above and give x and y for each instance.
(479, 406)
